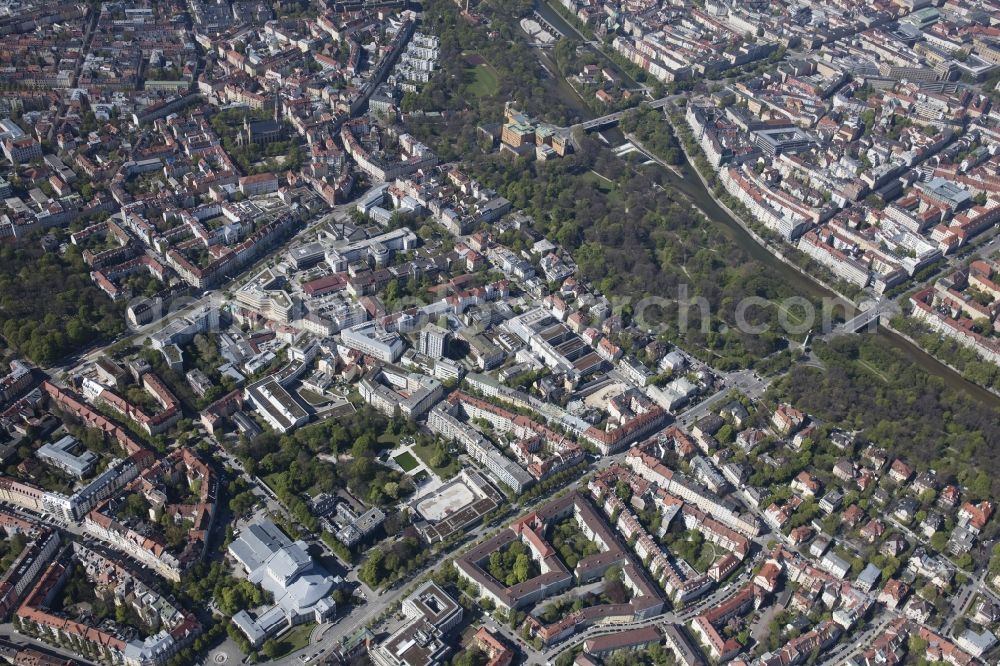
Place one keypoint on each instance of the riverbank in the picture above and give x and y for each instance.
(656, 158)
(696, 189)
(760, 240)
(555, 14)
(886, 322)
(888, 327)
(769, 255)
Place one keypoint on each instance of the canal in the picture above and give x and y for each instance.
(560, 24)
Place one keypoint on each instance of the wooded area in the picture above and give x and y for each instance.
(900, 407)
(521, 79)
(639, 240)
(291, 464)
(48, 305)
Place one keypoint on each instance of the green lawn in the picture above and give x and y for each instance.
(602, 185)
(484, 81)
(406, 461)
(296, 639)
(216, 222)
(446, 471)
(599, 181)
(388, 440)
(707, 556)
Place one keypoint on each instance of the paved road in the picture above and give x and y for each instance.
(7, 632)
(961, 602)
(330, 636)
(745, 381)
(843, 651)
(561, 24)
(360, 616)
(339, 213)
(669, 617)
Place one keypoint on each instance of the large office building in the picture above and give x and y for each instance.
(368, 339)
(389, 389)
(444, 422)
(276, 405)
(378, 248)
(430, 614)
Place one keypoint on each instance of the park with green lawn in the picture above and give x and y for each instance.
(482, 79)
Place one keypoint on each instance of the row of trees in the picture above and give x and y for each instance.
(962, 358)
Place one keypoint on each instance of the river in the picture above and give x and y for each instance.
(563, 26)
(691, 186)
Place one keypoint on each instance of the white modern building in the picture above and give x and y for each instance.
(62, 456)
(276, 405)
(443, 422)
(368, 339)
(300, 587)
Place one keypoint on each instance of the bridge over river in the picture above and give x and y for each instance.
(612, 119)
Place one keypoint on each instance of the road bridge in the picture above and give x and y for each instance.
(612, 119)
(866, 320)
(862, 320)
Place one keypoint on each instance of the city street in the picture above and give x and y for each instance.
(746, 382)
(844, 651)
(287, 193)
(339, 213)
(8, 633)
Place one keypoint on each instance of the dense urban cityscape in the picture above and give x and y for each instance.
(500, 332)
